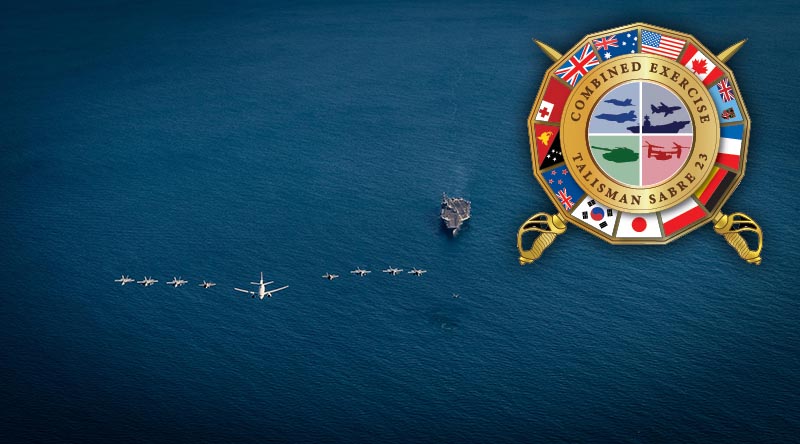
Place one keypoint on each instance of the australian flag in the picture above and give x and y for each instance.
(617, 44)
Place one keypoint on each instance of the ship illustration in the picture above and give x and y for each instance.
(668, 128)
(455, 211)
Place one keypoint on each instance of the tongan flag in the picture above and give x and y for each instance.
(568, 193)
(699, 64)
(725, 101)
(681, 216)
(548, 145)
(552, 104)
(655, 43)
(578, 65)
(615, 45)
(596, 215)
(730, 145)
(638, 225)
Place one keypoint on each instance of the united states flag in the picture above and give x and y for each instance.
(653, 43)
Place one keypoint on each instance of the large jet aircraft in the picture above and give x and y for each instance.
(417, 272)
(666, 110)
(262, 289)
(124, 280)
(329, 276)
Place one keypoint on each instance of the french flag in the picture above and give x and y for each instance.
(730, 146)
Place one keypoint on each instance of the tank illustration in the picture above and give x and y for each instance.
(619, 154)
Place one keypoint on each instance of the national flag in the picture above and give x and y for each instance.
(596, 215)
(638, 226)
(681, 216)
(548, 145)
(655, 43)
(701, 65)
(578, 65)
(567, 191)
(552, 104)
(618, 44)
(714, 187)
(730, 145)
(728, 110)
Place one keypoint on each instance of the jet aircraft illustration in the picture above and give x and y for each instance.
(630, 116)
(626, 102)
(666, 110)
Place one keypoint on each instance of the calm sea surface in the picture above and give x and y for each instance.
(216, 140)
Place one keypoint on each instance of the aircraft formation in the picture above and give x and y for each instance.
(262, 291)
(176, 282)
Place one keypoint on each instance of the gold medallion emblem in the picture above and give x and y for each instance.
(638, 135)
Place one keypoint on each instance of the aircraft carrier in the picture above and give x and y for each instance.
(455, 211)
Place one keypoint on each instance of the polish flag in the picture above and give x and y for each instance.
(681, 216)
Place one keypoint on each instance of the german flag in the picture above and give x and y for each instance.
(712, 190)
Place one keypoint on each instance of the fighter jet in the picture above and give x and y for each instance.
(627, 102)
(124, 280)
(667, 110)
(417, 272)
(630, 116)
(329, 276)
(207, 284)
(177, 282)
(393, 271)
(262, 289)
(456, 295)
(147, 281)
(361, 272)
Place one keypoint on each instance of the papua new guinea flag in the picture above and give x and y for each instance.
(548, 145)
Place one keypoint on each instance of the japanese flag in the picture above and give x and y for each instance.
(638, 225)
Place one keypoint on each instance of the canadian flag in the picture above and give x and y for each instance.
(699, 64)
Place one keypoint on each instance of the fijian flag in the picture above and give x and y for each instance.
(596, 215)
(681, 216)
(552, 104)
(730, 146)
(615, 45)
(714, 187)
(725, 101)
(548, 145)
(578, 65)
(701, 65)
(638, 226)
(566, 190)
(655, 43)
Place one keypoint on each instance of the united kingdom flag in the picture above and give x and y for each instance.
(578, 65)
(725, 91)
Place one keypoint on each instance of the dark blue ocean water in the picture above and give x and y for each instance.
(215, 140)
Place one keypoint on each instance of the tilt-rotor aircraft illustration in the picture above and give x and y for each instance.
(262, 289)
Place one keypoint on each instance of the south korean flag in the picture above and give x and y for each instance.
(596, 216)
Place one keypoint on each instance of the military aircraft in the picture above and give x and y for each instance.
(630, 116)
(177, 282)
(207, 284)
(456, 295)
(262, 289)
(393, 271)
(124, 280)
(417, 272)
(626, 102)
(361, 272)
(329, 276)
(661, 153)
(147, 281)
(667, 110)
